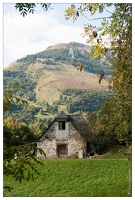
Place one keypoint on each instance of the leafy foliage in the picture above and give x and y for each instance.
(19, 150)
(119, 28)
(75, 101)
(25, 8)
(99, 139)
(85, 100)
(16, 133)
(9, 98)
(24, 85)
(18, 162)
(37, 128)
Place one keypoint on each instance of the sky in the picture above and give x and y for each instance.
(35, 32)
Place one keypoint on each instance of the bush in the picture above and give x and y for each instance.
(127, 152)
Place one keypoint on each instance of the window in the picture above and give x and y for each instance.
(61, 125)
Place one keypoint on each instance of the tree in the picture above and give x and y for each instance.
(16, 133)
(99, 136)
(37, 128)
(104, 123)
(25, 8)
(119, 28)
(18, 139)
(9, 98)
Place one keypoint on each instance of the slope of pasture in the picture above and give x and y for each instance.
(51, 83)
(76, 178)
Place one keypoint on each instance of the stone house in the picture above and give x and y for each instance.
(65, 137)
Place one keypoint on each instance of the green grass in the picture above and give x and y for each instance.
(62, 107)
(75, 178)
(44, 116)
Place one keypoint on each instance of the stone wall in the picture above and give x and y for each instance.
(48, 143)
(75, 142)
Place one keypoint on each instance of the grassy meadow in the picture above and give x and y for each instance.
(76, 178)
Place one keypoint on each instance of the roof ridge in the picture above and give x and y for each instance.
(62, 115)
(74, 115)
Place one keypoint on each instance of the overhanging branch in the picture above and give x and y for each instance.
(97, 18)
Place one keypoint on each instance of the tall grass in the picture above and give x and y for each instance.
(76, 178)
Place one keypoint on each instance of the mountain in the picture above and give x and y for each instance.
(45, 76)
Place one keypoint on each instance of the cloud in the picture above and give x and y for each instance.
(34, 33)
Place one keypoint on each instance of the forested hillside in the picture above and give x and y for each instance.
(50, 82)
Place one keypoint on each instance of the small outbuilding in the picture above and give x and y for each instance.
(65, 137)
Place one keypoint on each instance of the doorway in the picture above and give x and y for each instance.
(62, 150)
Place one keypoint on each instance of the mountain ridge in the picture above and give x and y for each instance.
(45, 75)
(54, 70)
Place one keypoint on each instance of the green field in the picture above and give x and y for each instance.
(44, 116)
(76, 178)
(62, 108)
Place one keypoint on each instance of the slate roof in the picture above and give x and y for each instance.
(79, 123)
(62, 115)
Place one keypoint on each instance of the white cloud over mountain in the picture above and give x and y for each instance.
(34, 33)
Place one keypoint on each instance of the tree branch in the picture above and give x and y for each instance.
(97, 18)
(107, 10)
